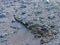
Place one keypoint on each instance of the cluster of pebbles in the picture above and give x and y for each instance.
(40, 18)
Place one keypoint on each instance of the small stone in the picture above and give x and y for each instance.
(51, 17)
(2, 16)
(1, 36)
(13, 21)
(23, 6)
(23, 13)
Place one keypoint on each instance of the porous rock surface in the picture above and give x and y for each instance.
(29, 22)
(41, 20)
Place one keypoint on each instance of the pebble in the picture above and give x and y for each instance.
(23, 6)
(2, 16)
(51, 17)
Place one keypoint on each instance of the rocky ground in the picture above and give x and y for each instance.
(29, 22)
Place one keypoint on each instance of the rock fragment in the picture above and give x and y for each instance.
(40, 30)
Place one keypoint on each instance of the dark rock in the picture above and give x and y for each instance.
(39, 31)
